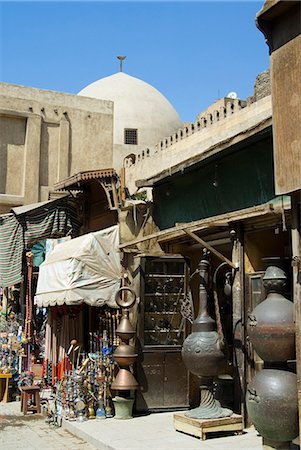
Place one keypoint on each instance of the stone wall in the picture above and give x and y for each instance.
(196, 139)
(47, 136)
(262, 86)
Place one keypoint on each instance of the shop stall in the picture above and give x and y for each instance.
(78, 283)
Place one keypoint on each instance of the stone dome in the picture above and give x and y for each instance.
(137, 106)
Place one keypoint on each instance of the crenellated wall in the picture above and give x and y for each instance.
(211, 128)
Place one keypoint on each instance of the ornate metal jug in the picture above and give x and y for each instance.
(203, 352)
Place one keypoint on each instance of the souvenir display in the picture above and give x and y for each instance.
(163, 299)
(10, 345)
(84, 391)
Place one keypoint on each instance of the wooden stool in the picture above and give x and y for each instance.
(32, 394)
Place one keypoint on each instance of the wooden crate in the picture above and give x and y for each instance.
(201, 427)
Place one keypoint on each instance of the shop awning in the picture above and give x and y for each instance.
(76, 181)
(107, 178)
(85, 269)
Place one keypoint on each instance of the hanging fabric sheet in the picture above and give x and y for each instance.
(85, 269)
(64, 324)
(29, 224)
(11, 250)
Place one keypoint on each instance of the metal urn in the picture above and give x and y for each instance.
(272, 395)
(271, 326)
(272, 404)
(125, 355)
(203, 352)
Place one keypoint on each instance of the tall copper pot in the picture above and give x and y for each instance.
(272, 395)
(272, 403)
(271, 326)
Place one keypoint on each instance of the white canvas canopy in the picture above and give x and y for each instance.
(85, 269)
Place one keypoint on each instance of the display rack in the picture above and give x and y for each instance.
(164, 286)
(161, 332)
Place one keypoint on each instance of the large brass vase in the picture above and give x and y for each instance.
(271, 325)
(272, 403)
(272, 395)
(203, 352)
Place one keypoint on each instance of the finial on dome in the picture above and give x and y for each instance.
(121, 59)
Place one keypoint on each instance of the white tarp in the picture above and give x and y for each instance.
(85, 269)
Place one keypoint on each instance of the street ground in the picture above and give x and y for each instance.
(152, 432)
(31, 432)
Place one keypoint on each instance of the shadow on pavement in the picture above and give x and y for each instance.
(18, 421)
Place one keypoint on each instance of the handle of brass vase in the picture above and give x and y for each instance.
(253, 397)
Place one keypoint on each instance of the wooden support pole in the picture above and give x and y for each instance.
(238, 324)
(296, 253)
(122, 184)
(115, 196)
(210, 248)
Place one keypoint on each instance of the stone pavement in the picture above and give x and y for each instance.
(30, 432)
(155, 432)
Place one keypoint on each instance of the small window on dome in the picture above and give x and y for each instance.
(131, 136)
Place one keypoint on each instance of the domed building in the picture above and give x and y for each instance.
(142, 115)
(55, 135)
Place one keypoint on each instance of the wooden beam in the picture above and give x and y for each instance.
(210, 248)
(197, 225)
(162, 233)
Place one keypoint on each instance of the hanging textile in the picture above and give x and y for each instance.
(11, 250)
(64, 324)
(29, 299)
(29, 224)
(39, 252)
(85, 269)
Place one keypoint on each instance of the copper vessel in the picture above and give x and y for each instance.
(272, 403)
(271, 324)
(124, 381)
(272, 395)
(125, 330)
(203, 352)
(125, 355)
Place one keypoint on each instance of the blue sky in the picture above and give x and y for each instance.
(193, 52)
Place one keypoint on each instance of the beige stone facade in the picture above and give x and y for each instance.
(47, 136)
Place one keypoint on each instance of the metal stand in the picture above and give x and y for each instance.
(209, 408)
